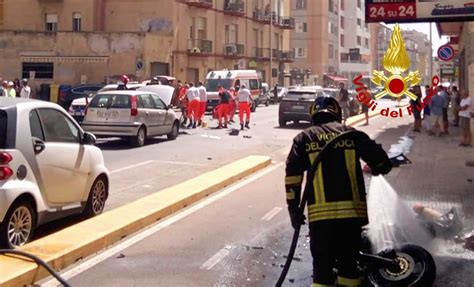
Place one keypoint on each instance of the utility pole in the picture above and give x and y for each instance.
(270, 82)
(431, 54)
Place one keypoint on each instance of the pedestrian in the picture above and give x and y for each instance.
(183, 103)
(232, 104)
(193, 105)
(344, 101)
(25, 91)
(416, 108)
(275, 93)
(337, 204)
(455, 102)
(18, 86)
(11, 90)
(465, 114)
(436, 107)
(245, 98)
(202, 102)
(365, 110)
(223, 108)
(4, 89)
(444, 93)
(427, 111)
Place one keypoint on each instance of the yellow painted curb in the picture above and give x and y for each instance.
(71, 244)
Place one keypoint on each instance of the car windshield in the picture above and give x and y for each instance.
(111, 101)
(211, 84)
(301, 95)
(3, 129)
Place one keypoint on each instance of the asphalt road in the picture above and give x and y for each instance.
(235, 238)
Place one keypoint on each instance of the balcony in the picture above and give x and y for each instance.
(259, 16)
(207, 4)
(199, 47)
(232, 50)
(261, 54)
(276, 54)
(287, 56)
(287, 23)
(235, 8)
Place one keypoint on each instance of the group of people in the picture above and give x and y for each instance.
(13, 89)
(436, 113)
(192, 100)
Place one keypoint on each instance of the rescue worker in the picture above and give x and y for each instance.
(336, 201)
(183, 102)
(125, 80)
(202, 102)
(245, 98)
(193, 105)
(232, 104)
(223, 108)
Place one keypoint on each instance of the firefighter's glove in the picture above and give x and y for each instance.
(382, 168)
(297, 218)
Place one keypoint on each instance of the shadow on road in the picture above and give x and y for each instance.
(124, 144)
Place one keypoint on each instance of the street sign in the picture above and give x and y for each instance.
(446, 53)
(398, 11)
(139, 65)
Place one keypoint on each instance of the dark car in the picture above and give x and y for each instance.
(295, 105)
(82, 91)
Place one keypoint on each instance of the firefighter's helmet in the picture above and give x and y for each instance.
(323, 107)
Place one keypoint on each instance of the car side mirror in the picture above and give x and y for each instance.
(88, 139)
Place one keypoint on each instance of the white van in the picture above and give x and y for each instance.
(233, 78)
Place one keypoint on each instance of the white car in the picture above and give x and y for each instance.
(49, 169)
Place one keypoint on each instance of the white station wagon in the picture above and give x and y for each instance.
(49, 169)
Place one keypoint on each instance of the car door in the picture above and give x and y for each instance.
(149, 114)
(63, 163)
(162, 115)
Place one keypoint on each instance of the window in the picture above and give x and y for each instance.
(300, 52)
(332, 28)
(358, 40)
(57, 127)
(331, 51)
(359, 22)
(99, 101)
(359, 4)
(342, 22)
(342, 5)
(331, 6)
(366, 42)
(51, 22)
(41, 70)
(253, 84)
(301, 27)
(76, 22)
(301, 4)
(148, 102)
(158, 103)
(342, 40)
(119, 102)
(35, 126)
(366, 25)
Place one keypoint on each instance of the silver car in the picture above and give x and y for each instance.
(136, 115)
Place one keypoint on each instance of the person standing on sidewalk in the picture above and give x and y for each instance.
(455, 101)
(444, 93)
(202, 102)
(465, 110)
(344, 101)
(416, 108)
(4, 89)
(25, 91)
(436, 107)
(245, 98)
(11, 90)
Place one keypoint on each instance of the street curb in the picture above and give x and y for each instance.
(361, 117)
(76, 242)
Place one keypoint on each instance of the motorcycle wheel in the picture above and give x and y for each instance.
(417, 269)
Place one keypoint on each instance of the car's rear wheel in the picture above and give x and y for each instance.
(17, 228)
(97, 197)
(139, 139)
(174, 132)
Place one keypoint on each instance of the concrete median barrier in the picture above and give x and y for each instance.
(71, 244)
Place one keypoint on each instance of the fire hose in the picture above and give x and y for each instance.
(38, 261)
(304, 199)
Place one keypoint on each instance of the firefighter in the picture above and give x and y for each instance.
(245, 98)
(337, 207)
(125, 80)
(223, 107)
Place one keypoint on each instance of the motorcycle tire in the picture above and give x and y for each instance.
(418, 269)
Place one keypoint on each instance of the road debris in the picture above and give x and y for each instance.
(438, 224)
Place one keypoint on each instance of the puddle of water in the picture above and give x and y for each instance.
(392, 220)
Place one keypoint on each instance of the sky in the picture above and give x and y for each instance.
(425, 28)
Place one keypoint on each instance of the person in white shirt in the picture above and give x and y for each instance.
(193, 105)
(25, 91)
(4, 89)
(202, 102)
(465, 109)
(245, 99)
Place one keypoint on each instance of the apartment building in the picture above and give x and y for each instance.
(69, 42)
(315, 40)
(423, 53)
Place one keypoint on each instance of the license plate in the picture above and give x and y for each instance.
(78, 113)
(108, 114)
(298, 108)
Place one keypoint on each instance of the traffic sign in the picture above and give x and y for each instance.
(446, 53)
(139, 65)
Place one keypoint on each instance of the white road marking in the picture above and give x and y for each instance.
(216, 258)
(180, 163)
(141, 235)
(272, 213)
(132, 166)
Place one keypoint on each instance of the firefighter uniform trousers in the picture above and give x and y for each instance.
(193, 110)
(244, 108)
(202, 109)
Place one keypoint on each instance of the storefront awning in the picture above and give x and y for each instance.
(64, 59)
(336, 78)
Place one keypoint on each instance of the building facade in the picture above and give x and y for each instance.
(68, 42)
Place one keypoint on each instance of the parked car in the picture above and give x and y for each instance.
(281, 93)
(295, 106)
(78, 106)
(67, 96)
(49, 169)
(264, 97)
(136, 115)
